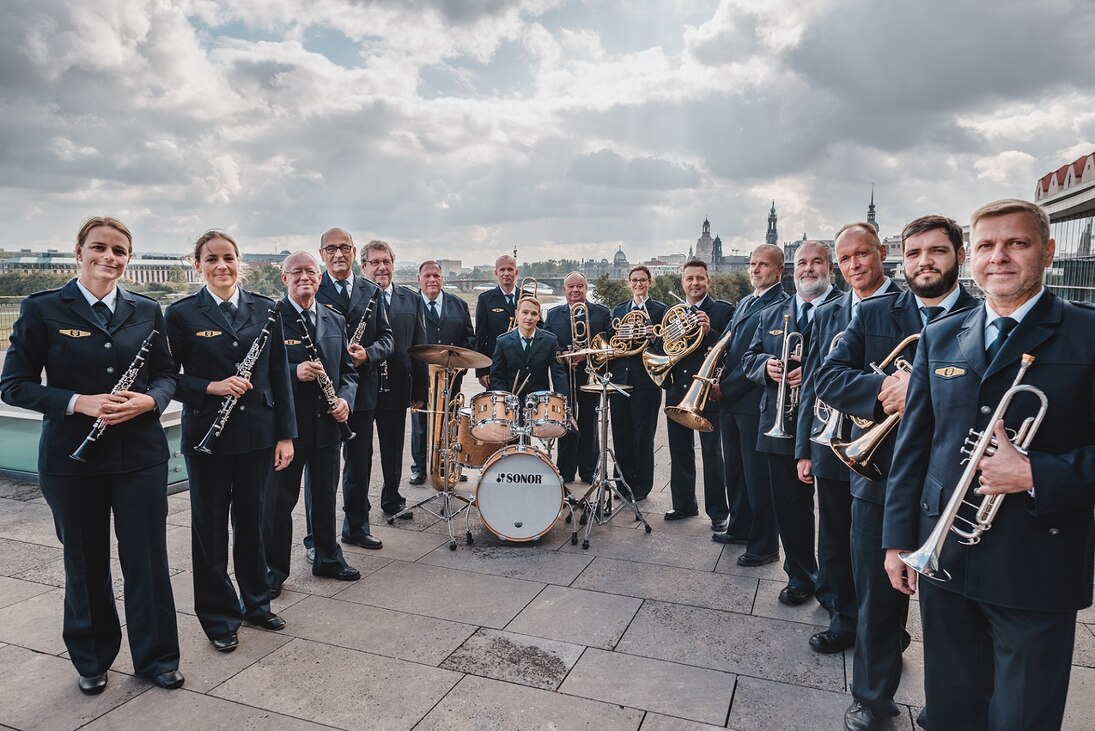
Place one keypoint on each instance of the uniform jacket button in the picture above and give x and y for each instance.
(986, 410)
(106, 345)
(1054, 531)
(243, 408)
(235, 344)
(110, 369)
(924, 505)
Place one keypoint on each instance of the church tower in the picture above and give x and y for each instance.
(705, 244)
(870, 211)
(772, 237)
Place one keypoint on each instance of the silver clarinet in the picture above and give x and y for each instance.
(324, 381)
(124, 384)
(243, 370)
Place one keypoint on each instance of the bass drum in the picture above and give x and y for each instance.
(471, 452)
(520, 494)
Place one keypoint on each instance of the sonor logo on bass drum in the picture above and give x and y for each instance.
(519, 478)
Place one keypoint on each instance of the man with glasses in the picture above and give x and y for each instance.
(635, 414)
(402, 378)
(349, 295)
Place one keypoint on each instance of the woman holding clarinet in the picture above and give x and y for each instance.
(238, 426)
(109, 376)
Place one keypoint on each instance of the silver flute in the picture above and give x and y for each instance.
(124, 383)
(243, 370)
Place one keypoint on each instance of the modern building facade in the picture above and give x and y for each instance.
(1068, 195)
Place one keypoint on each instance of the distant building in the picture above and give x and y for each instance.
(594, 269)
(450, 267)
(1068, 195)
(141, 270)
(772, 237)
(870, 211)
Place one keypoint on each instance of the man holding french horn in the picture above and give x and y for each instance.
(998, 607)
(857, 381)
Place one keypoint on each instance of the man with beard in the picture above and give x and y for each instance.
(495, 311)
(859, 255)
(932, 253)
(792, 502)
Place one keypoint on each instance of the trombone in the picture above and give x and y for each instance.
(528, 287)
(786, 397)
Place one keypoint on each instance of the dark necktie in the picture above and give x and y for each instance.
(102, 312)
(229, 310)
(804, 318)
(930, 313)
(1004, 326)
(528, 343)
(509, 300)
(344, 292)
(433, 309)
(310, 321)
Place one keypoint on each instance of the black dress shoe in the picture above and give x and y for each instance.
(365, 541)
(417, 478)
(906, 639)
(860, 718)
(169, 680)
(754, 559)
(719, 526)
(310, 555)
(726, 537)
(275, 591)
(227, 643)
(342, 573)
(922, 718)
(92, 684)
(829, 642)
(268, 621)
(680, 514)
(793, 596)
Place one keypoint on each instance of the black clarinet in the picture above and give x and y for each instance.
(124, 383)
(323, 379)
(243, 369)
(359, 332)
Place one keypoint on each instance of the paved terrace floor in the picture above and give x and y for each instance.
(643, 631)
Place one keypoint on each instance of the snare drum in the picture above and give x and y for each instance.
(494, 416)
(471, 452)
(548, 414)
(520, 494)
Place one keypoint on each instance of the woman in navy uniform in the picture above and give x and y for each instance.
(86, 335)
(210, 332)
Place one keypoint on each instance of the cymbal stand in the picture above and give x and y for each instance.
(604, 485)
(447, 494)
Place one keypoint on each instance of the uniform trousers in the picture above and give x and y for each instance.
(391, 431)
(578, 450)
(835, 583)
(740, 466)
(634, 421)
(226, 487)
(793, 504)
(82, 506)
(358, 462)
(682, 478)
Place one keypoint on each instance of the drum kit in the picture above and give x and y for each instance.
(520, 494)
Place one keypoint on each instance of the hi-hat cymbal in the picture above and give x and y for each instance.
(594, 388)
(584, 352)
(450, 355)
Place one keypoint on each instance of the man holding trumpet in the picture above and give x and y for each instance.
(999, 613)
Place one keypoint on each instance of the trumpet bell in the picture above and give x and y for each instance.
(689, 418)
(856, 454)
(926, 563)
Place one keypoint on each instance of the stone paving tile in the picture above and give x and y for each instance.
(161, 709)
(514, 658)
(767, 605)
(734, 643)
(728, 565)
(659, 547)
(18, 556)
(658, 722)
(379, 631)
(31, 522)
(19, 491)
(573, 615)
(13, 591)
(762, 705)
(203, 666)
(652, 685)
(515, 562)
(405, 545)
(1080, 707)
(53, 574)
(302, 580)
(491, 705)
(35, 623)
(366, 685)
(461, 596)
(911, 690)
(664, 583)
(39, 691)
(1086, 616)
(1084, 647)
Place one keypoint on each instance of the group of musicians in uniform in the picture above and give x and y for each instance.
(274, 392)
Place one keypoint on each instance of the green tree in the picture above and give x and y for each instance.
(610, 292)
(264, 279)
(18, 283)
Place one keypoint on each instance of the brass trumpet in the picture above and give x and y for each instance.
(833, 420)
(925, 560)
(689, 412)
(680, 332)
(786, 397)
(857, 453)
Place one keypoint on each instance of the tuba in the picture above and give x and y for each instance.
(831, 419)
(442, 434)
(689, 412)
(857, 454)
(786, 397)
(680, 333)
(925, 560)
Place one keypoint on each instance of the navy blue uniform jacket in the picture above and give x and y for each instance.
(739, 394)
(377, 340)
(207, 348)
(512, 363)
(58, 331)
(680, 376)
(558, 322)
(1038, 554)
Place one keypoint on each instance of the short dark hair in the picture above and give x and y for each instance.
(109, 222)
(430, 263)
(208, 236)
(694, 262)
(640, 268)
(933, 222)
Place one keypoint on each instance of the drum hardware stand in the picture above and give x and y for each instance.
(603, 485)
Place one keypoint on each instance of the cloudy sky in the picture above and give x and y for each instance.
(461, 128)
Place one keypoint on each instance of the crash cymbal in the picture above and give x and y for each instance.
(584, 352)
(450, 355)
(594, 388)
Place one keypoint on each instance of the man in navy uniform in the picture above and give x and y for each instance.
(859, 255)
(713, 315)
(752, 522)
(932, 253)
(448, 322)
(528, 352)
(578, 449)
(635, 414)
(495, 311)
(349, 295)
(999, 634)
(316, 446)
(402, 378)
(793, 502)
